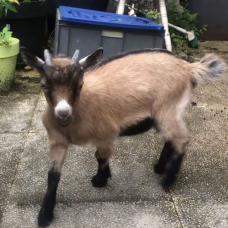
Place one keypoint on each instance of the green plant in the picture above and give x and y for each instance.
(5, 36)
(154, 15)
(185, 20)
(7, 5)
(142, 5)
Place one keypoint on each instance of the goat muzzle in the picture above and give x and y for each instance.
(64, 121)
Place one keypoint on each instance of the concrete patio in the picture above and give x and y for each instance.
(134, 196)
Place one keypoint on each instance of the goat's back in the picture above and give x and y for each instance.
(131, 88)
(140, 76)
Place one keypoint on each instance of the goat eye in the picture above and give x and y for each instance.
(79, 86)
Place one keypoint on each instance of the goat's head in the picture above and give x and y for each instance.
(62, 83)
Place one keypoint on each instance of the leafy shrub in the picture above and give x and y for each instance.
(185, 20)
(5, 36)
(7, 5)
(154, 15)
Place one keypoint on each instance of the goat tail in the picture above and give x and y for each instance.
(209, 68)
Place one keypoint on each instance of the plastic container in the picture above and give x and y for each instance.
(100, 5)
(8, 58)
(87, 30)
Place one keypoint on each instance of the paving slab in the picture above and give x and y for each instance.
(37, 124)
(133, 197)
(133, 180)
(132, 169)
(207, 156)
(11, 146)
(202, 213)
(200, 194)
(102, 215)
(16, 112)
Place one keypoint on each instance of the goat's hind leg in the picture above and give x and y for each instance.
(166, 153)
(173, 166)
(103, 173)
(58, 153)
(176, 137)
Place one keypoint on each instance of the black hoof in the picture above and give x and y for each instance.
(44, 219)
(99, 181)
(159, 169)
(172, 170)
(168, 182)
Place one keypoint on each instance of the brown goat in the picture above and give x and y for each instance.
(125, 95)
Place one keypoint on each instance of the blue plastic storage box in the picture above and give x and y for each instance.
(87, 30)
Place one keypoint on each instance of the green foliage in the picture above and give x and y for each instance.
(154, 15)
(179, 42)
(5, 36)
(185, 20)
(7, 5)
(142, 5)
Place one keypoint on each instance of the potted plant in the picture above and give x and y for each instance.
(9, 49)
(29, 24)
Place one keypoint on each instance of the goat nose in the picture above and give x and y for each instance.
(63, 114)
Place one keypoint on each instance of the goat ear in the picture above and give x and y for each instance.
(92, 59)
(30, 59)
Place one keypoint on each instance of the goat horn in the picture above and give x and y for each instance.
(48, 58)
(75, 57)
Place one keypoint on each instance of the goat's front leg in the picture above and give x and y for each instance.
(58, 154)
(101, 178)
